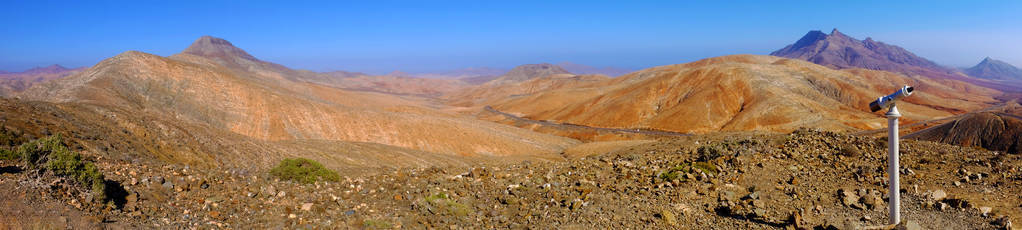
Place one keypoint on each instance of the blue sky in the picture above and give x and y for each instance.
(417, 36)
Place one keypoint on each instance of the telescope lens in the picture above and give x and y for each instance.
(909, 89)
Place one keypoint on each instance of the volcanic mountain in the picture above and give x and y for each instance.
(839, 51)
(525, 72)
(11, 83)
(994, 130)
(745, 92)
(995, 69)
(216, 85)
(585, 69)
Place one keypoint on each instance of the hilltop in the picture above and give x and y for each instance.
(215, 85)
(525, 72)
(995, 69)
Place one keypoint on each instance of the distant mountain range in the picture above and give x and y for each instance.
(840, 51)
(11, 83)
(995, 69)
(837, 50)
(585, 69)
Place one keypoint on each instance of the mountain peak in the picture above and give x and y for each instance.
(529, 71)
(838, 50)
(55, 68)
(214, 47)
(991, 68)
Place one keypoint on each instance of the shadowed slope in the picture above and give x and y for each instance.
(997, 130)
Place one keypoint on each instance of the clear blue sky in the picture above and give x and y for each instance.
(416, 36)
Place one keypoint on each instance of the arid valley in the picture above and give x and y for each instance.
(212, 136)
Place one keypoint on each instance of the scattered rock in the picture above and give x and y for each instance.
(307, 207)
(937, 195)
(908, 225)
(1004, 222)
(985, 211)
(668, 217)
(848, 198)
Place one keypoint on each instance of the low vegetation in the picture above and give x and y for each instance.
(8, 155)
(689, 167)
(440, 203)
(52, 154)
(304, 171)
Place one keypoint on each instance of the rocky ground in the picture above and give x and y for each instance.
(806, 179)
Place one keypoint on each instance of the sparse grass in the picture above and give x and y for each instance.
(54, 155)
(304, 171)
(444, 204)
(706, 167)
(377, 224)
(675, 172)
(8, 155)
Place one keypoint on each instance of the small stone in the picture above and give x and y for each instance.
(168, 185)
(668, 217)
(349, 212)
(291, 216)
(848, 198)
(985, 211)
(938, 195)
(307, 207)
(958, 183)
(908, 225)
(134, 181)
(281, 194)
(214, 215)
(204, 184)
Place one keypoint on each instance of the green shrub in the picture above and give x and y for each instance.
(442, 204)
(304, 171)
(676, 171)
(52, 153)
(706, 167)
(8, 155)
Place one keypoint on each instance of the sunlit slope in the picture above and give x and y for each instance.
(747, 92)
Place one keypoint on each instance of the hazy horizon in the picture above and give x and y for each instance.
(420, 37)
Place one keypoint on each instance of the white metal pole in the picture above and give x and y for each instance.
(894, 202)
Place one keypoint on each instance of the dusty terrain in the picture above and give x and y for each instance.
(187, 141)
(805, 179)
(745, 92)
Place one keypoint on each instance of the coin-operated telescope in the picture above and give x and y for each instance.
(894, 204)
(889, 100)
